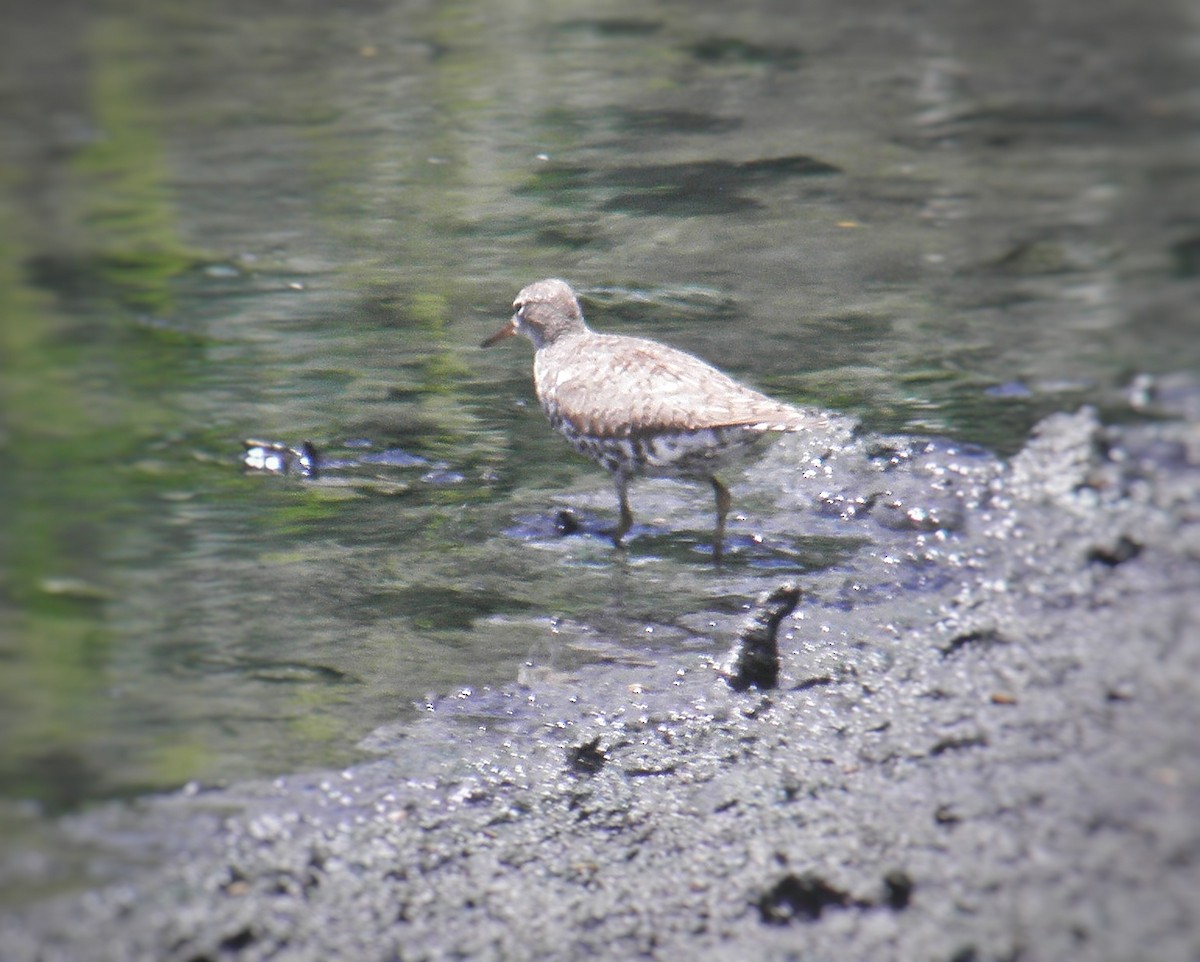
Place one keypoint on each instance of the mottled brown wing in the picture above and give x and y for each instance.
(611, 386)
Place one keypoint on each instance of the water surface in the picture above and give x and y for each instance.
(297, 222)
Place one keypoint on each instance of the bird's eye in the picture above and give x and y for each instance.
(520, 306)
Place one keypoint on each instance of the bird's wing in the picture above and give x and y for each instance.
(620, 386)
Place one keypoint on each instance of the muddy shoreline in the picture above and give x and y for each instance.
(982, 746)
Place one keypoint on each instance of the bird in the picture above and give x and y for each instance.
(638, 407)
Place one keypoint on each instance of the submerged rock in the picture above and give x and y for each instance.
(276, 457)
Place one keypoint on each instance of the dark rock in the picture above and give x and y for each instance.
(897, 889)
(799, 898)
(1122, 550)
(587, 759)
(566, 522)
(754, 658)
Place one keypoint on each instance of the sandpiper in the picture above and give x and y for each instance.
(638, 407)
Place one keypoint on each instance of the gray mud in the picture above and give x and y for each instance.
(982, 746)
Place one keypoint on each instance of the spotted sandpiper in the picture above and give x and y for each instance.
(638, 407)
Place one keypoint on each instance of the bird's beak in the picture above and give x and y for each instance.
(508, 330)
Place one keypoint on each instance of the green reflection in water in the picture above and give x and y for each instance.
(85, 376)
(121, 192)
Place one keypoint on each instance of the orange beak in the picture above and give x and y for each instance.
(508, 330)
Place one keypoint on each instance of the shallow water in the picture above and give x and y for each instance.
(299, 223)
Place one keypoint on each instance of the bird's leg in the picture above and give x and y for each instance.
(622, 483)
(724, 503)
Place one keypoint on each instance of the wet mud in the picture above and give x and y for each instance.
(979, 744)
